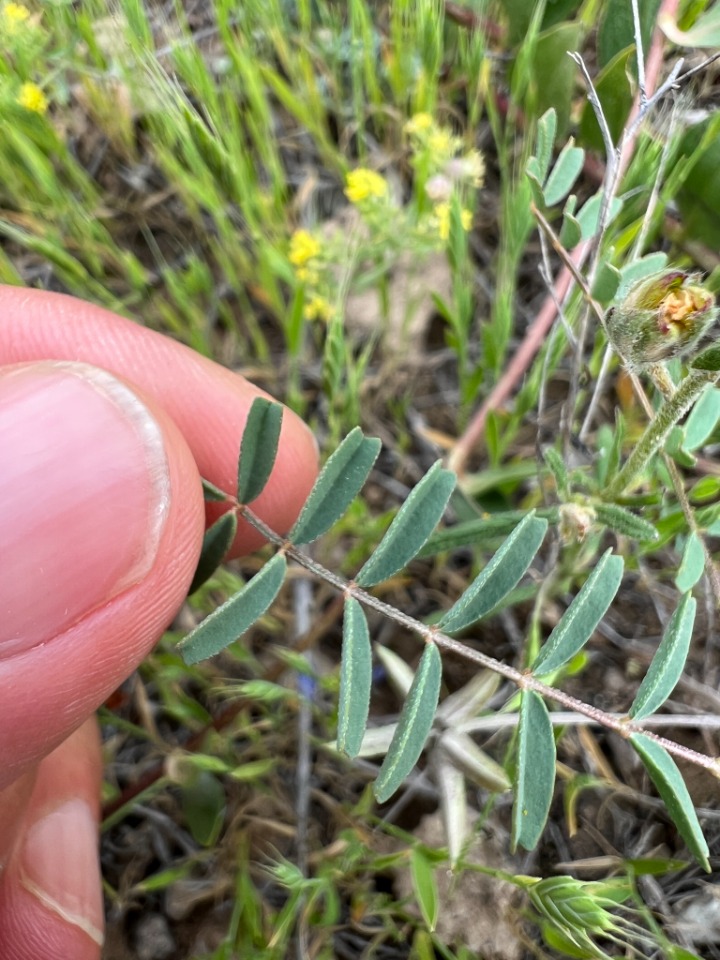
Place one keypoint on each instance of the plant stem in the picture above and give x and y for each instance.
(658, 430)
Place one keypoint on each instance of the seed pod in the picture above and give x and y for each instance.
(661, 317)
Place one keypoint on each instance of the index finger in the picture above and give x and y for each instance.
(208, 403)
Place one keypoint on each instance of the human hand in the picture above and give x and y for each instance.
(101, 522)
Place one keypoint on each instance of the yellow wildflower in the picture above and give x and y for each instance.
(303, 248)
(419, 124)
(305, 275)
(442, 212)
(13, 14)
(363, 184)
(318, 309)
(443, 144)
(32, 98)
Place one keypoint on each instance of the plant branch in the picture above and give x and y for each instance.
(525, 681)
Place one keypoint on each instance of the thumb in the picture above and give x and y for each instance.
(101, 516)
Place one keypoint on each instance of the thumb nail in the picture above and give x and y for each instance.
(59, 866)
(84, 492)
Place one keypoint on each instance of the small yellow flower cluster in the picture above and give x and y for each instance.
(13, 14)
(441, 150)
(304, 251)
(442, 213)
(363, 184)
(32, 98)
(418, 125)
(318, 308)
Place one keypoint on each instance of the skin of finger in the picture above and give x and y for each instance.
(50, 689)
(207, 402)
(28, 929)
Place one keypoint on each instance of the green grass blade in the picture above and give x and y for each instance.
(355, 679)
(422, 873)
(535, 772)
(236, 615)
(415, 521)
(216, 543)
(668, 663)
(337, 486)
(499, 576)
(416, 720)
(582, 616)
(258, 448)
(670, 785)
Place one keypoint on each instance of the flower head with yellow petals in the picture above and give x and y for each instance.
(363, 184)
(32, 98)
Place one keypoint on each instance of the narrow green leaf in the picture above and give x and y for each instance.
(414, 725)
(705, 32)
(212, 493)
(499, 576)
(535, 771)
(668, 663)
(474, 532)
(258, 448)
(415, 521)
(337, 486)
(670, 785)
(692, 564)
(564, 174)
(546, 127)
(703, 419)
(589, 216)
(424, 887)
(216, 543)
(236, 615)
(570, 230)
(625, 522)
(586, 611)
(355, 679)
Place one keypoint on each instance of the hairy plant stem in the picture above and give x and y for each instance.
(658, 430)
(525, 681)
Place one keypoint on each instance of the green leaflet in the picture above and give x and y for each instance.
(670, 785)
(703, 419)
(424, 886)
(692, 564)
(258, 448)
(582, 616)
(216, 543)
(414, 725)
(355, 679)
(337, 486)
(236, 615)
(535, 779)
(668, 663)
(471, 532)
(564, 174)
(500, 575)
(414, 523)
(213, 493)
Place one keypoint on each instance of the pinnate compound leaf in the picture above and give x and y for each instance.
(414, 725)
(668, 663)
(415, 521)
(582, 616)
(216, 543)
(355, 679)
(337, 486)
(499, 577)
(564, 174)
(258, 448)
(236, 615)
(535, 771)
(670, 785)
